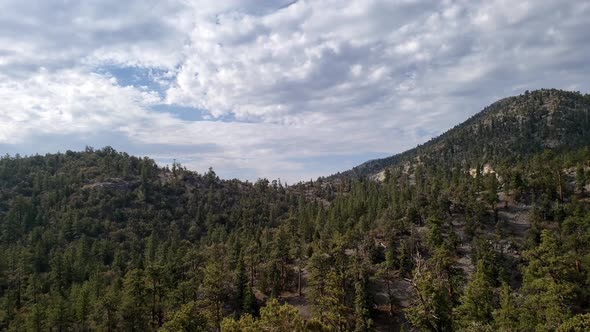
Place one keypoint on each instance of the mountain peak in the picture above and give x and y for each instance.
(510, 128)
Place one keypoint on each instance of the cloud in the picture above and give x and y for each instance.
(290, 89)
(66, 102)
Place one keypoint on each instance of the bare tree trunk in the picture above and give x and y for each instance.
(560, 186)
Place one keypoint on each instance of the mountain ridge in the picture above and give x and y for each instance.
(566, 114)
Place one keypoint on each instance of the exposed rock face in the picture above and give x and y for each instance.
(113, 184)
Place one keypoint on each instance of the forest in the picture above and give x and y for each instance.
(99, 240)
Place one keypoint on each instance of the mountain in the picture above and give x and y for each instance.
(507, 130)
(99, 240)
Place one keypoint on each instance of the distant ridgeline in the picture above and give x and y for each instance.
(508, 130)
(485, 228)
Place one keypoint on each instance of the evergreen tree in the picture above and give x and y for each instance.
(506, 316)
(362, 320)
(545, 288)
(187, 318)
(134, 307)
(334, 303)
(478, 300)
(215, 290)
(107, 317)
(431, 305)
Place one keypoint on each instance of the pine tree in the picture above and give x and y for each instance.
(215, 290)
(60, 313)
(389, 274)
(107, 316)
(577, 323)
(362, 321)
(318, 266)
(36, 321)
(187, 318)
(250, 305)
(241, 286)
(280, 318)
(333, 300)
(478, 300)
(273, 317)
(506, 316)
(156, 293)
(82, 305)
(546, 290)
(134, 307)
(431, 305)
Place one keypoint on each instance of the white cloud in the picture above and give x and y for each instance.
(66, 102)
(280, 84)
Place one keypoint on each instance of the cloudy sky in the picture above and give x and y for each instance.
(270, 88)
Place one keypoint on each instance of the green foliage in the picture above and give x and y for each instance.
(431, 306)
(478, 300)
(100, 240)
(134, 308)
(510, 129)
(274, 317)
(506, 315)
(546, 286)
(215, 291)
(188, 318)
(579, 323)
(283, 318)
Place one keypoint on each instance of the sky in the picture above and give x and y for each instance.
(270, 88)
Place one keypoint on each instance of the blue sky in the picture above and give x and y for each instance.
(276, 89)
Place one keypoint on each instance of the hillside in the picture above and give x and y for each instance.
(510, 129)
(99, 240)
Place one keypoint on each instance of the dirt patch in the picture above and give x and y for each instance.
(515, 219)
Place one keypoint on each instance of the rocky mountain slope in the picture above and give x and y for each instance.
(102, 241)
(509, 129)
